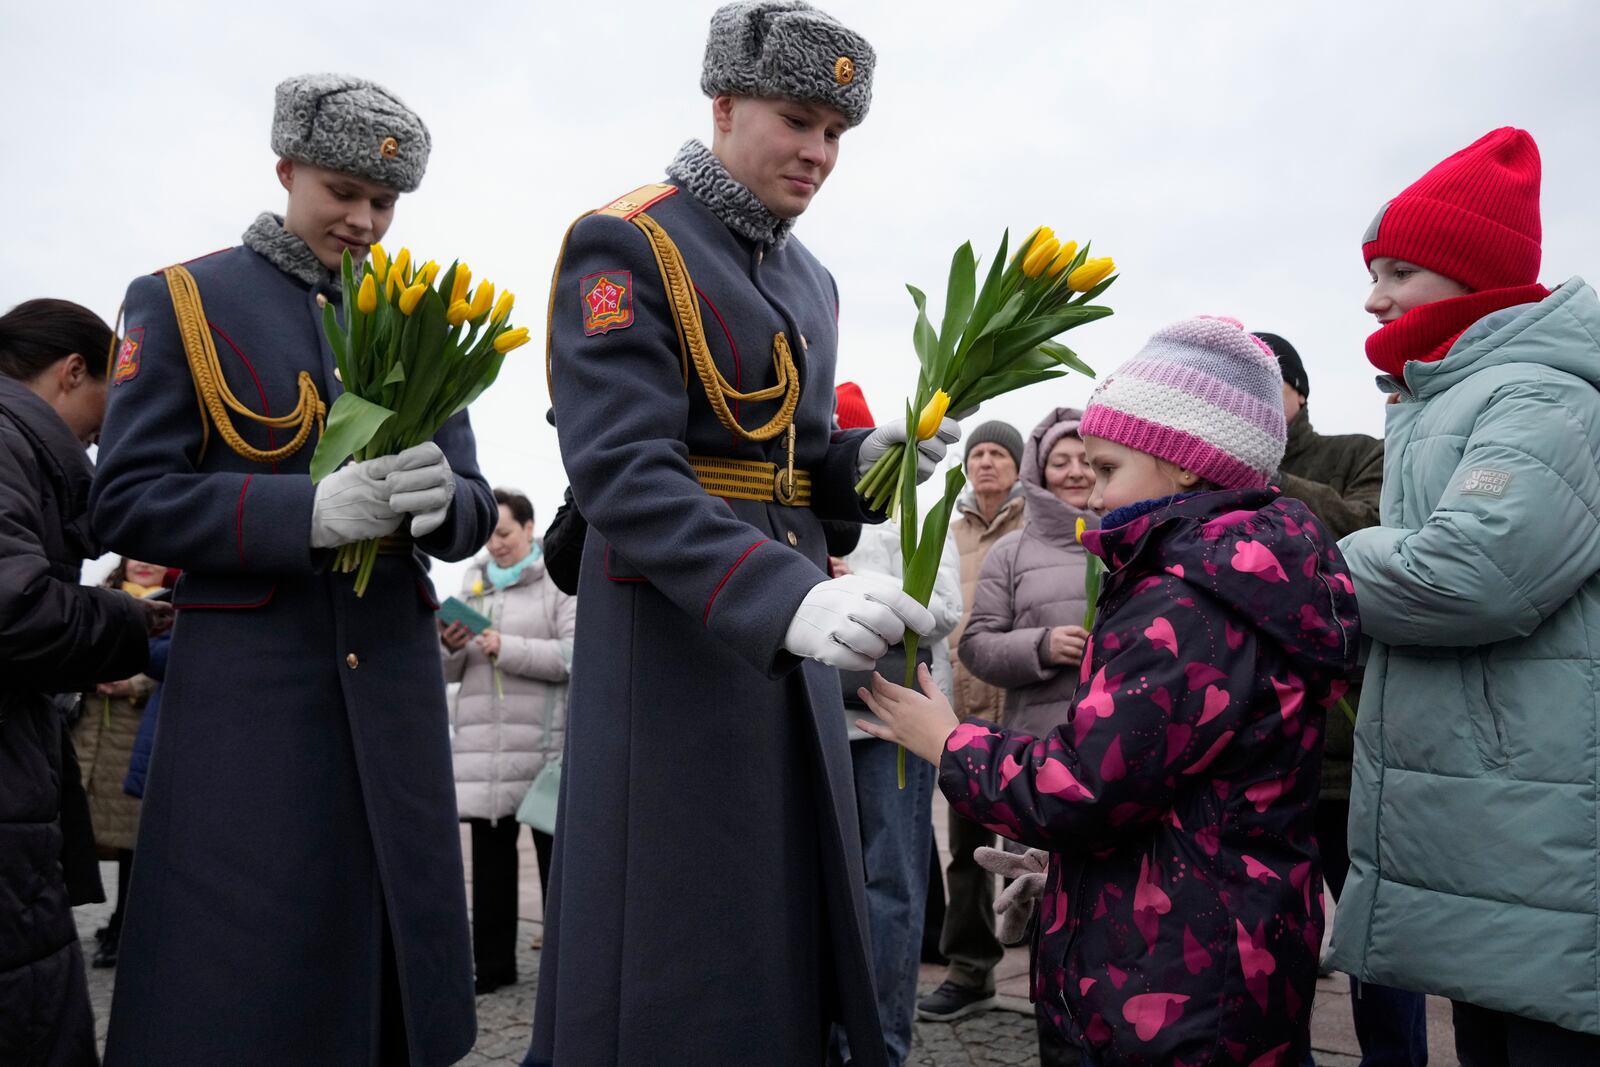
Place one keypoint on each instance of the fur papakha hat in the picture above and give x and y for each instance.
(787, 49)
(352, 126)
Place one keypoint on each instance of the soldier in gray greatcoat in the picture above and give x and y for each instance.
(707, 900)
(300, 894)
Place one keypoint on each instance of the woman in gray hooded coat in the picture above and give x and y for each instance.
(1026, 632)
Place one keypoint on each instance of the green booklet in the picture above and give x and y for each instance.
(453, 610)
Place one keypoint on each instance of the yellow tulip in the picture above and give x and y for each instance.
(933, 415)
(1040, 253)
(511, 339)
(367, 295)
(402, 263)
(502, 308)
(1080, 529)
(380, 261)
(483, 299)
(458, 313)
(1064, 258)
(1043, 233)
(411, 297)
(428, 272)
(460, 283)
(1090, 274)
(477, 587)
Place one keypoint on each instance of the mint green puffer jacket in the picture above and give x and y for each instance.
(1474, 817)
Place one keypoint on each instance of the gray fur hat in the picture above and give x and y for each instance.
(352, 126)
(788, 49)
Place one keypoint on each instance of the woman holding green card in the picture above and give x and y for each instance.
(509, 721)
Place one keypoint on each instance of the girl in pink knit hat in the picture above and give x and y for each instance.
(1179, 908)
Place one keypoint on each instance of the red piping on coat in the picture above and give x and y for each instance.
(736, 564)
(228, 607)
(238, 518)
(738, 364)
(616, 577)
(266, 409)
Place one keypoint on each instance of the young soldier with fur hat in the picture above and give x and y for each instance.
(300, 893)
(693, 343)
(1479, 589)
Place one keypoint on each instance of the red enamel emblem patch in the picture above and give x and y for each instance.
(607, 301)
(128, 356)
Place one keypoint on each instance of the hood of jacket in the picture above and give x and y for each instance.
(967, 504)
(59, 452)
(1560, 331)
(1261, 554)
(478, 571)
(1049, 516)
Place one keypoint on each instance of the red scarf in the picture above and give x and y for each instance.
(1424, 334)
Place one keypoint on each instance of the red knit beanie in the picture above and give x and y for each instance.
(851, 410)
(1473, 218)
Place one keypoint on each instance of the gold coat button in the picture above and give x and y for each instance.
(794, 539)
(353, 660)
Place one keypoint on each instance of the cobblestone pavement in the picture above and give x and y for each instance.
(994, 1039)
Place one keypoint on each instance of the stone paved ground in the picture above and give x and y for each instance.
(994, 1039)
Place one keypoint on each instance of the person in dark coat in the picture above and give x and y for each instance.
(56, 637)
(1340, 478)
(705, 718)
(299, 896)
(145, 742)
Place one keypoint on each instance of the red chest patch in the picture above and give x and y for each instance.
(127, 364)
(607, 301)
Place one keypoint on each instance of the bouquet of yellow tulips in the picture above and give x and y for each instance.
(409, 356)
(991, 341)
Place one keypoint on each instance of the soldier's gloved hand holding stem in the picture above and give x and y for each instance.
(930, 453)
(370, 498)
(422, 486)
(850, 622)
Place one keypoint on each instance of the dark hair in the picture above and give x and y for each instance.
(36, 334)
(521, 507)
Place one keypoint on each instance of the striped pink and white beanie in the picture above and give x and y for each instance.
(1203, 394)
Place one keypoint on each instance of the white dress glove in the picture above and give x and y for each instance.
(421, 485)
(352, 504)
(929, 452)
(850, 622)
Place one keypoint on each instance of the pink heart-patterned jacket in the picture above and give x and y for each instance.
(1182, 914)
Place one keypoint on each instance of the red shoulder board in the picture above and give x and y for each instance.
(646, 196)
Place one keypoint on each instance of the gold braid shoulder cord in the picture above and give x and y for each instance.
(211, 388)
(692, 340)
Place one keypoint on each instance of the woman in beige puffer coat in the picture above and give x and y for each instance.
(1025, 632)
(509, 721)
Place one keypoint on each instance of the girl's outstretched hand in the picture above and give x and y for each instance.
(918, 722)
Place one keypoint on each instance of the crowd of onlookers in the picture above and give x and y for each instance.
(1476, 595)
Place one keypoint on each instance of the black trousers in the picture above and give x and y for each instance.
(494, 893)
(1487, 1038)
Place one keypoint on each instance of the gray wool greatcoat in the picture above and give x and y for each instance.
(300, 809)
(708, 904)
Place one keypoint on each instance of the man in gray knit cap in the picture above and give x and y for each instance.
(707, 898)
(300, 893)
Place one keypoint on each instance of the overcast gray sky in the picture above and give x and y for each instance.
(1228, 155)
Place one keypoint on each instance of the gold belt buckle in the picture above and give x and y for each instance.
(783, 483)
(784, 487)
